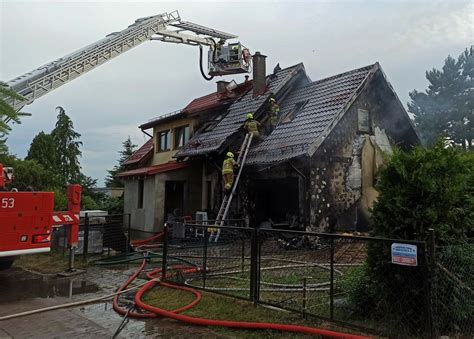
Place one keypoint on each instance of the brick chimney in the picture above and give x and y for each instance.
(221, 86)
(259, 73)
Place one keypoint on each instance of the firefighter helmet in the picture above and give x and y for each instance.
(230, 155)
(249, 116)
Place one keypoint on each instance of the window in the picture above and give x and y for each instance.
(164, 141)
(363, 120)
(181, 136)
(141, 191)
(290, 115)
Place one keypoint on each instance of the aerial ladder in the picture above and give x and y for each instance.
(27, 218)
(223, 59)
(227, 201)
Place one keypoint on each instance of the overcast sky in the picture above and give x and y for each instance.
(108, 103)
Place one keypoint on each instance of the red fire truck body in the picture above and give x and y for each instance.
(27, 220)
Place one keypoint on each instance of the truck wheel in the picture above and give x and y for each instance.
(6, 264)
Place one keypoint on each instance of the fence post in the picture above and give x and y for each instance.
(85, 239)
(242, 259)
(204, 257)
(129, 237)
(165, 252)
(331, 286)
(304, 297)
(331, 272)
(430, 259)
(253, 265)
(257, 269)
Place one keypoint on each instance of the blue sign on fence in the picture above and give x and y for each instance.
(404, 254)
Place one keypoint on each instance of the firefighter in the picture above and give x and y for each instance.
(228, 171)
(218, 51)
(251, 126)
(274, 110)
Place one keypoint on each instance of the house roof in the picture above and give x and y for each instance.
(328, 99)
(215, 99)
(141, 154)
(162, 118)
(214, 139)
(152, 170)
(206, 102)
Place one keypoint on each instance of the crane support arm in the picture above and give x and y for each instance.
(50, 76)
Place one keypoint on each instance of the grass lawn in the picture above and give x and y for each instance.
(49, 263)
(213, 306)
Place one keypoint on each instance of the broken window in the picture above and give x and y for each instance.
(293, 113)
(164, 141)
(181, 136)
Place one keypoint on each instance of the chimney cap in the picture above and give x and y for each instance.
(259, 54)
(222, 86)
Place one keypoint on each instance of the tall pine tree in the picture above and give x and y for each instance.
(43, 150)
(446, 108)
(128, 148)
(67, 144)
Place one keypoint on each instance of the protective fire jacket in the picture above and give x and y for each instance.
(228, 166)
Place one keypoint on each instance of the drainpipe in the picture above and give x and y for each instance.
(145, 132)
(305, 180)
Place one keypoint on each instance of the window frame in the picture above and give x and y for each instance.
(177, 135)
(168, 141)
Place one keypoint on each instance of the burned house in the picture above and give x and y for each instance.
(322, 157)
(320, 160)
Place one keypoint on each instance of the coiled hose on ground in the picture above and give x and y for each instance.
(154, 311)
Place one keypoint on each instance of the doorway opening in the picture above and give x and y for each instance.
(278, 200)
(174, 199)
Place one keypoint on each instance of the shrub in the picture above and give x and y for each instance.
(420, 189)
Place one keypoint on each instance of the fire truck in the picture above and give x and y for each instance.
(27, 218)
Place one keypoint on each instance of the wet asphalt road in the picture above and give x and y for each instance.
(23, 291)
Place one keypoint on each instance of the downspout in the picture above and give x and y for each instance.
(305, 181)
(151, 136)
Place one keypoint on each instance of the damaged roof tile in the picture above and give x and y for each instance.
(326, 99)
(214, 139)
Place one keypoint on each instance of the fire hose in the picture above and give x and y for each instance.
(174, 314)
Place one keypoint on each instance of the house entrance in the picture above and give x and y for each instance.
(276, 199)
(174, 199)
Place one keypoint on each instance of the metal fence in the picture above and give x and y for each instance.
(350, 280)
(453, 290)
(98, 235)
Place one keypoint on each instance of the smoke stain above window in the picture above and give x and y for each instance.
(292, 114)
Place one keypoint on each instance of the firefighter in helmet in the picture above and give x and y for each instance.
(228, 171)
(252, 126)
(274, 110)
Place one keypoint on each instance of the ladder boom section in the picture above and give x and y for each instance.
(48, 77)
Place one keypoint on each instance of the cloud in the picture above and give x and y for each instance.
(108, 103)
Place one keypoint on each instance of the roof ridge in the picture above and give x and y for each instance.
(343, 74)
